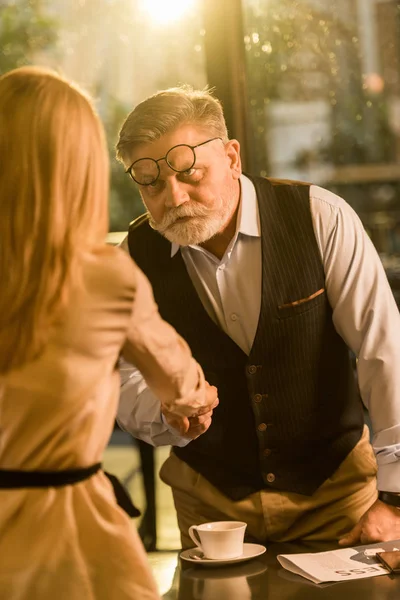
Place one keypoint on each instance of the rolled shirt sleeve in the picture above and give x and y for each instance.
(139, 411)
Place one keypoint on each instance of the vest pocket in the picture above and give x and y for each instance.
(298, 307)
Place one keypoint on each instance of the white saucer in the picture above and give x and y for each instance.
(249, 551)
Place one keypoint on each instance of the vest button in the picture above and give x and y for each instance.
(251, 369)
(267, 452)
(262, 427)
(257, 398)
(270, 478)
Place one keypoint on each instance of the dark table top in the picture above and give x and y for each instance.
(262, 579)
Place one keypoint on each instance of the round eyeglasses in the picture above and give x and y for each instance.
(180, 158)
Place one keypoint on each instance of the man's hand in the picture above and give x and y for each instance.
(193, 426)
(381, 523)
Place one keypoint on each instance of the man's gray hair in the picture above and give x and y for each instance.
(167, 110)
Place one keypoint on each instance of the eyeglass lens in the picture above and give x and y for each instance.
(179, 158)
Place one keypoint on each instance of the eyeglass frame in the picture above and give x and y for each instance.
(129, 169)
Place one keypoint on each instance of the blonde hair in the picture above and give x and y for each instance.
(165, 111)
(53, 203)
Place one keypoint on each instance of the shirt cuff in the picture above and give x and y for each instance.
(388, 479)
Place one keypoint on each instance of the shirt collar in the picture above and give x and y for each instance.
(248, 220)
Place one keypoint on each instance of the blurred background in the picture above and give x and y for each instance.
(310, 88)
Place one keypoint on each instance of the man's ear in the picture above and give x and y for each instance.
(232, 149)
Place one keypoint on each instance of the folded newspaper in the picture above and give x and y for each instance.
(339, 565)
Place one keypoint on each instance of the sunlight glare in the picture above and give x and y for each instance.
(164, 12)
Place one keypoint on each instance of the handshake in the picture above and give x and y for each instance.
(194, 425)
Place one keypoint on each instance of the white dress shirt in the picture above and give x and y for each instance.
(364, 314)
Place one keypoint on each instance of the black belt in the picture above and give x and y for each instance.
(11, 480)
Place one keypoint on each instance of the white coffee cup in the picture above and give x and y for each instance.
(220, 539)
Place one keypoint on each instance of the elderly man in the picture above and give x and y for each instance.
(270, 282)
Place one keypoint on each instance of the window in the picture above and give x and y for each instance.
(324, 103)
(119, 50)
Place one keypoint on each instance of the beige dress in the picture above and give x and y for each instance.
(74, 542)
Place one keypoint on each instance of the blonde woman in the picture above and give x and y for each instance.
(69, 305)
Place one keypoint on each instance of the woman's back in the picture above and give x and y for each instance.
(57, 413)
(69, 306)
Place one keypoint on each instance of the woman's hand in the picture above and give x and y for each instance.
(193, 426)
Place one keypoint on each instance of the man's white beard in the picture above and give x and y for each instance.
(199, 228)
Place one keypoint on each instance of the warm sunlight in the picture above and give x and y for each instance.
(164, 12)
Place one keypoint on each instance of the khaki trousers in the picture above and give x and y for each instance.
(330, 512)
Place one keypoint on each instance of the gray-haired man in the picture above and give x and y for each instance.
(270, 282)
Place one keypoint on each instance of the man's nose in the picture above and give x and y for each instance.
(176, 194)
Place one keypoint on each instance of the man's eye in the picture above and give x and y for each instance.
(189, 172)
(154, 186)
(192, 175)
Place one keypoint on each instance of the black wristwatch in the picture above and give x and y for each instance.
(390, 498)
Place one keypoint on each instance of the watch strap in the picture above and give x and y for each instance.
(390, 498)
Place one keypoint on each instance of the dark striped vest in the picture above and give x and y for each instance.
(289, 413)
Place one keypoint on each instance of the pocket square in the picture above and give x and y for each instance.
(303, 300)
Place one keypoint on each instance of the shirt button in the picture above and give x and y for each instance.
(251, 369)
(270, 478)
(267, 452)
(257, 398)
(221, 267)
(234, 317)
(262, 427)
